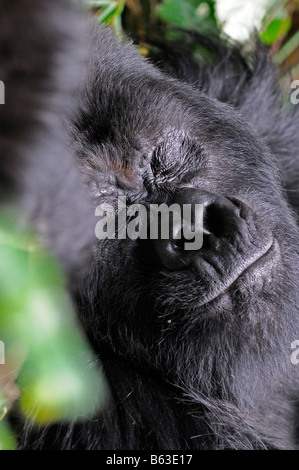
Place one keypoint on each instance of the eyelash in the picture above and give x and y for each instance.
(158, 164)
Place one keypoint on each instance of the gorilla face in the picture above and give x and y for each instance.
(219, 320)
(195, 344)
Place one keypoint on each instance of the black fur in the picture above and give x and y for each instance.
(185, 372)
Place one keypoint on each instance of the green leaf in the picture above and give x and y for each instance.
(187, 13)
(276, 29)
(59, 382)
(60, 378)
(7, 440)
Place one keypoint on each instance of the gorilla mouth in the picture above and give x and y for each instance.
(256, 268)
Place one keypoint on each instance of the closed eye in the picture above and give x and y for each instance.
(159, 163)
(178, 158)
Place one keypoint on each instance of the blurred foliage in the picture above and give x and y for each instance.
(190, 14)
(278, 27)
(108, 11)
(49, 368)
(277, 22)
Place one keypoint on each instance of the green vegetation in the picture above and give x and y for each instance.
(48, 364)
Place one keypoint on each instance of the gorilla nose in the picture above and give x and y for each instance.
(218, 219)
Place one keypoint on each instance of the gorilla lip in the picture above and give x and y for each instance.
(262, 260)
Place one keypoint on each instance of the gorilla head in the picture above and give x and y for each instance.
(196, 344)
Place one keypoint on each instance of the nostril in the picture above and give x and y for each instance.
(178, 244)
(214, 220)
(220, 218)
(172, 254)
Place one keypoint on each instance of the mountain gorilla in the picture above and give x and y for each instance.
(196, 345)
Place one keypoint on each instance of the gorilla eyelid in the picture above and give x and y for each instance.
(159, 165)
